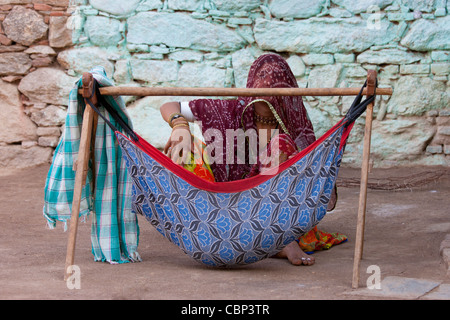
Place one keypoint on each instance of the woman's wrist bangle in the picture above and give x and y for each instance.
(179, 120)
(174, 116)
(179, 125)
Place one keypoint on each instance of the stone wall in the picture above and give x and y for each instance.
(213, 43)
(32, 34)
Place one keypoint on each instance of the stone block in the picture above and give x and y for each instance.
(447, 150)
(154, 71)
(149, 56)
(103, 31)
(400, 16)
(344, 58)
(148, 5)
(321, 121)
(433, 113)
(122, 72)
(318, 59)
(444, 113)
(324, 76)
(444, 130)
(217, 13)
(48, 131)
(118, 8)
(440, 139)
(159, 49)
(355, 71)
(246, 32)
(321, 35)
(440, 69)
(440, 12)
(24, 26)
(59, 35)
(419, 5)
(137, 47)
(58, 3)
(14, 156)
(415, 69)
(16, 126)
(445, 244)
(186, 55)
(181, 31)
(440, 56)
(4, 40)
(339, 13)
(147, 120)
(297, 65)
(296, 8)
(237, 5)
(48, 141)
(362, 6)
(50, 116)
(400, 139)
(14, 63)
(28, 144)
(11, 79)
(442, 121)
(417, 95)
(47, 85)
(200, 75)
(42, 7)
(434, 149)
(42, 50)
(427, 35)
(185, 5)
(389, 71)
(440, 78)
(388, 56)
(84, 59)
(39, 62)
(239, 21)
(242, 60)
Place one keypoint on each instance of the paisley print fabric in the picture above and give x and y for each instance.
(219, 229)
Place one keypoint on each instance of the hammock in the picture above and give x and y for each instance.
(237, 222)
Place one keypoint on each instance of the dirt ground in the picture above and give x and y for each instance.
(404, 230)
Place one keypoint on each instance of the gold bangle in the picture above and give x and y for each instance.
(174, 116)
(178, 121)
(180, 125)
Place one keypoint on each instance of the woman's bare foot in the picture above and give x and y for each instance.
(295, 255)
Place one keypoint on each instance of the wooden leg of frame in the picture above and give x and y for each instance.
(359, 241)
(80, 179)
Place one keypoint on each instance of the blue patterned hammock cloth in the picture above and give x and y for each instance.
(237, 222)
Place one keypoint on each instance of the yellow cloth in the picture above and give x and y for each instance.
(199, 164)
(316, 240)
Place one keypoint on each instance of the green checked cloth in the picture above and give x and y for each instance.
(115, 230)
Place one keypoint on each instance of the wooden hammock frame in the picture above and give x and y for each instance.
(90, 121)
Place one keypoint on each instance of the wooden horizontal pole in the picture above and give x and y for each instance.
(235, 92)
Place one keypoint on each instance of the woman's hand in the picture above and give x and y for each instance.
(179, 146)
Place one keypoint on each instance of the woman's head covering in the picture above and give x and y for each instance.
(272, 71)
(268, 71)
